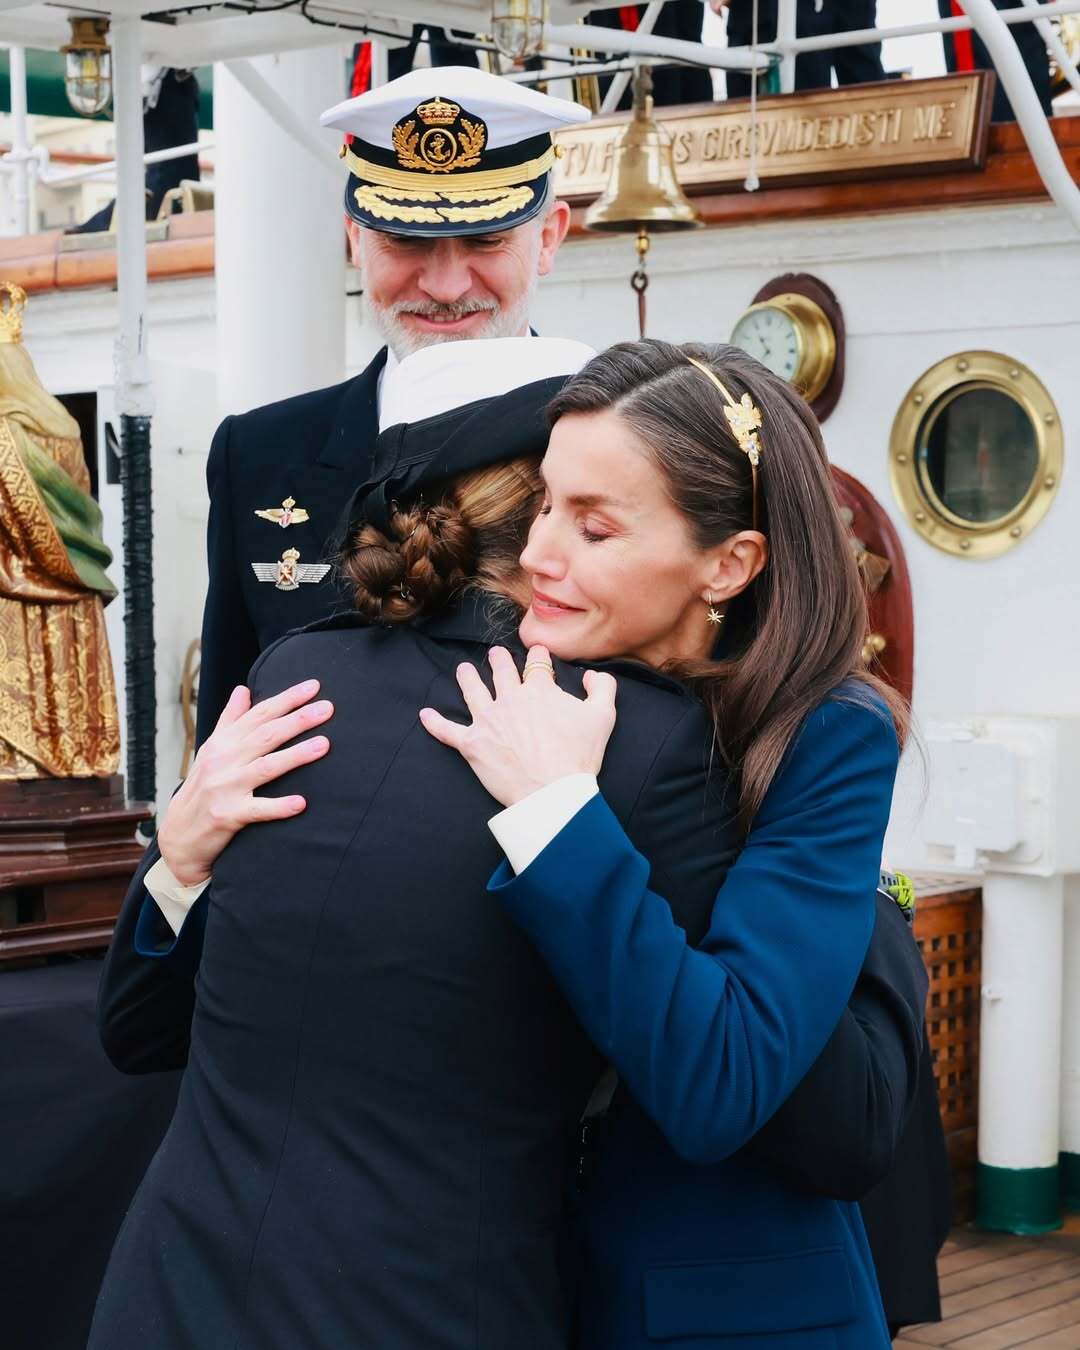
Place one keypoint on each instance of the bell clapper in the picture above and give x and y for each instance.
(639, 281)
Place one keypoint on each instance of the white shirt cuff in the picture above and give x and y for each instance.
(173, 899)
(525, 829)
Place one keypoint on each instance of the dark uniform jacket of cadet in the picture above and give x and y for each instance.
(315, 448)
(384, 1082)
(374, 1133)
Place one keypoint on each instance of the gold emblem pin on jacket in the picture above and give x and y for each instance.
(289, 574)
(288, 513)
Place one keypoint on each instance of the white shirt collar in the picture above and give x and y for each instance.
(450, 374)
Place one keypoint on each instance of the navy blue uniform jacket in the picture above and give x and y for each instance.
(316, 448)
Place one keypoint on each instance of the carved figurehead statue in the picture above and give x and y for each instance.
(58, 714)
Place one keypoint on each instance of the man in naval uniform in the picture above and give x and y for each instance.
(452, 222)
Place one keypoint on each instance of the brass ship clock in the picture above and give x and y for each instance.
(796, 328)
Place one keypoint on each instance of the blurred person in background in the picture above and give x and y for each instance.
(170, 118)
(671, 84)
(965, 50)
(860, 64)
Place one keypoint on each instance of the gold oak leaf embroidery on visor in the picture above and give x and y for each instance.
(387, 204)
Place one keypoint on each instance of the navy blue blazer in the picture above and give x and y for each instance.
(686, 1238)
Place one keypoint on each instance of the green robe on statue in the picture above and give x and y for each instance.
(58, 715)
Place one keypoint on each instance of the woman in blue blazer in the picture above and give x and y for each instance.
(697, 482)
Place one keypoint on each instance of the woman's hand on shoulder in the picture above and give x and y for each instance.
(531, 732)
(243, 753)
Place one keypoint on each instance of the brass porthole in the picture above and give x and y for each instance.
(975, 454)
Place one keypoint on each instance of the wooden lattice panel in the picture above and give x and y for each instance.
(948, 929)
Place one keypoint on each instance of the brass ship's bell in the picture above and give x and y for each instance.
(643, 193)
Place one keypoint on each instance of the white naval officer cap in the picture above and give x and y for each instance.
(449, 150)
(454, 374)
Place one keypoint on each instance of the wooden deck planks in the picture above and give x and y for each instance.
(966, 1258)
(954, 1330)
(970, 1299)
(990, 1271)
(1023, 1330)
(1000, 1293)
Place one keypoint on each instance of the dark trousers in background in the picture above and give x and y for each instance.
(966, 51)
(813, 70)
(399, 60)
(173, 120)
(671, 84)
(444, 51)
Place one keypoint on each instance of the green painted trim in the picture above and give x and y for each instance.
(1069, 1168)
(45, 96)
(1017, 1199)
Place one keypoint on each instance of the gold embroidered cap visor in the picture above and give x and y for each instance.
(440, 178)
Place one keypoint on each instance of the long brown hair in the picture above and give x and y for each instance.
(795, 635)
(472, 536)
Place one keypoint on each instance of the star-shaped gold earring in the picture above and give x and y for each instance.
(714, 615)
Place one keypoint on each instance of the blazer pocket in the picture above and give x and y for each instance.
(752, 1296)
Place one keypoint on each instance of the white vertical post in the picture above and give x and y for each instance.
(1069, 1160)
(133, 395)
(785, 32)
(134, 403)
(20, 139)
(378, 63)
(280, 235)
(1020, 1053)
(559, 84)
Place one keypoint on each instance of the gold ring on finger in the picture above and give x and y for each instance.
(538, 665)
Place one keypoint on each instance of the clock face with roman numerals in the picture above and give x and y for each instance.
(769, 334)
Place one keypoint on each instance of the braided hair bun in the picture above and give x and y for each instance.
(472, 536)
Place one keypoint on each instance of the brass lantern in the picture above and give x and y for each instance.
(88, 66)
(517, 27)
(643, 195)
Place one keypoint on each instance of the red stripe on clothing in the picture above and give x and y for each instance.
(962, 45)
(361, 78)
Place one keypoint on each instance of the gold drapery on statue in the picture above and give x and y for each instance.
(58, 714)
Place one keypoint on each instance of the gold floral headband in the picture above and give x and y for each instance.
(744, 419)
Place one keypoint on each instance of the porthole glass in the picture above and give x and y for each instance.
(978, 454)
